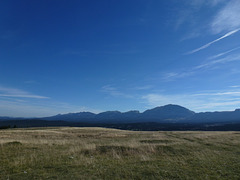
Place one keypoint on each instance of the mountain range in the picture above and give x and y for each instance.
(164, 118)
(163, 114)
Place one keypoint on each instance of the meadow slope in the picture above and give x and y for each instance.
(100, 153)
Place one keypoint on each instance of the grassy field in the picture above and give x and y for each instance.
(98, 153)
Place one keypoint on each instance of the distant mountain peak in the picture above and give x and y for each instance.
(170, 111)
(132, 111)
(172, 106)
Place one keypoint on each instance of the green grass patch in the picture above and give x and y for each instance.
(76, 153)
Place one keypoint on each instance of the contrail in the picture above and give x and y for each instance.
(209, 44)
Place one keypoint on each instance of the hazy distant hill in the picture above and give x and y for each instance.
(10, 118)
(225, 116)
(81, 116)
(4, 118)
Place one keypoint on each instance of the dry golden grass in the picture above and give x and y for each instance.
(100, 153)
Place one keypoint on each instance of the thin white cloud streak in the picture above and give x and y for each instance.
(19, 103)
(227, 59)
(197, 102)
(227, 19)
(224, 53)
(170, 76)
(176, 75)
(221, 106)
(13, 92)
(23, 96)
(191, 36)
(161, 99)
(15, 108)
(112, 91)
(212, 42)
(232, 93)
(153, 100)
(24, 109)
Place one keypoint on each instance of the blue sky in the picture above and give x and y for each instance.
(71, 56)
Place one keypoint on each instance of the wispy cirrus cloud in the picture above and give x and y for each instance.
(227, 19)
(199, 102)
(14, 92)
(112, 91)
(224, 53)
(15, 108)
(232, 93)
(24, 96)
(227, 59)
(213, 63)
(19, 103)
(170, 76)
(235, 86)
(212, 42)
(188, 14)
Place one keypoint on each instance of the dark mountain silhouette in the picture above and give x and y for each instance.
(4, 117)
(163, 114)
(109, 115)
(172, 113)
(224, 116)
(10, 118)
(168, 112)
(131, 114)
